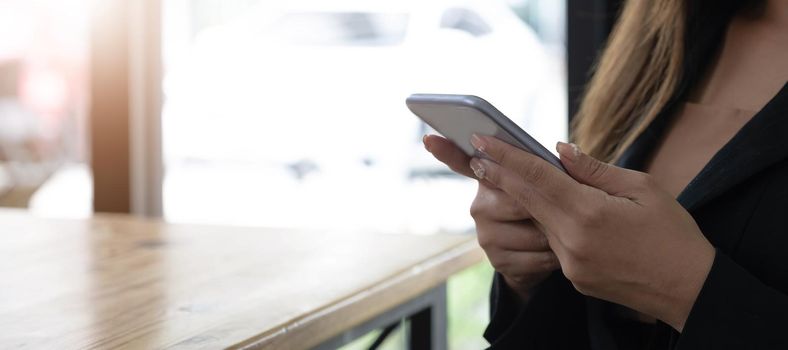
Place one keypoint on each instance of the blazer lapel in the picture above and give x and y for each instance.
(763, 141)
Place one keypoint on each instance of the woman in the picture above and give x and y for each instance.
(683, 243)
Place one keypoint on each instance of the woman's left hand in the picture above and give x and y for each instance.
(617, 234)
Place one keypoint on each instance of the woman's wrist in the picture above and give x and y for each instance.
(521, 293)
(680, 299)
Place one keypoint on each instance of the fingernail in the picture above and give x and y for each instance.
(477, 142)
(569, 151)
(424, 141)
(477, 167)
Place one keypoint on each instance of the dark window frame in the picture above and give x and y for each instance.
(588, 25)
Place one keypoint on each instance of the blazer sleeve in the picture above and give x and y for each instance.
(504, 308)
(553, 318)
(735, 310)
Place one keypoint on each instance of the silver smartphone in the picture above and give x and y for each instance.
(457, 117)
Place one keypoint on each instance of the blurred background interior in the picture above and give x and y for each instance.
(274, 113)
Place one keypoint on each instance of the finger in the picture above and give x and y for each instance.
(522, 264)
(544, 177)
(514, 235)
(542, 209)
(553, 241)
(590, 171)
(448, 153)
(495, 205)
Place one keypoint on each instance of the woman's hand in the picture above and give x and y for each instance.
(513, 243)
(617, 235)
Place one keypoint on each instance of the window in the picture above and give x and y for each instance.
(43, 94)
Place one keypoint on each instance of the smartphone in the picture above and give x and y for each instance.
(457, 117)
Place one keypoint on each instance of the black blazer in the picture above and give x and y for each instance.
(740, 202)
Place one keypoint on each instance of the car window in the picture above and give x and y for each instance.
(465, 20)
(342, 28)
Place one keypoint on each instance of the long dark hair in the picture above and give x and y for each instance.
(657, 52)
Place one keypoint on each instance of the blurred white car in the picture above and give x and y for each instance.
(320, 85)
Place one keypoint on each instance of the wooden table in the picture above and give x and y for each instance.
(114, 281)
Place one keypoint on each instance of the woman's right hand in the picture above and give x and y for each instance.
(514, 244)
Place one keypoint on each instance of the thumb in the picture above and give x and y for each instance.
(591, 171)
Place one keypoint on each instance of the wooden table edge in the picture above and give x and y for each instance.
(309, 331)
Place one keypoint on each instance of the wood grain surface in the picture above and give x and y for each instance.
(118, 282)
